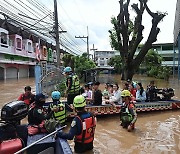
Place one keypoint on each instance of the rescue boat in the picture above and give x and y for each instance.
(15, 139)
(108, 109)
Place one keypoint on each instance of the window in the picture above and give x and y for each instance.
(18, 45)
(101, 58)
(167, 58)
(44, 52)
(4, 38)
(29, 46)
(167, 47)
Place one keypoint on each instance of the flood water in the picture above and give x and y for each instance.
(156, 132)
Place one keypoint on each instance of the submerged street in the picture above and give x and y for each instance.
(156, 132)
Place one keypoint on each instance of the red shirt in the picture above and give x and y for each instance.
(133, 92)
(28, 99)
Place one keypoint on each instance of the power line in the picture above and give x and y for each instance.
(41, 28)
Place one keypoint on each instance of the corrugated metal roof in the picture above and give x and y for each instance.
(177, 22)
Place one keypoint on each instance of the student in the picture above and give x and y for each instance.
(110, 90)
(105, 91)
(116, 96)
(152, 92)
(132, 90)
(88, 94)
(97, 95)
(140, 93)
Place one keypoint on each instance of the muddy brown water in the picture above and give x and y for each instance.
(156, 132)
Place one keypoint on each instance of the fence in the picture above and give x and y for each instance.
(49, 79)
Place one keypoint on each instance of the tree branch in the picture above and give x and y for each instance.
(138, 28)
(157, 17)
(123, 23)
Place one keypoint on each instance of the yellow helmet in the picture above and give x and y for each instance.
(79, 101)
(125, 93)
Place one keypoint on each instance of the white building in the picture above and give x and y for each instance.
(102, 58)
(167, 52)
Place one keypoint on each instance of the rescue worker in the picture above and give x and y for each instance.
(82, 127)
(72, 85)
(27, 97)
(128, 115)
(152, 92)
(36, 114)
(58, 108)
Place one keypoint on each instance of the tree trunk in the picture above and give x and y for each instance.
(127, 72)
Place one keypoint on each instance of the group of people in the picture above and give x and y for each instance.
(84, 124)
(112, 93)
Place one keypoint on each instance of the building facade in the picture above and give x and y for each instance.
(102, 58)
(19, 55)
(168, 52)
(177, 33)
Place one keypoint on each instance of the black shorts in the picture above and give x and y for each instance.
(81, 148)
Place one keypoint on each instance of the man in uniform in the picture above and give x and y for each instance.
(128, 115)
(82, 127)
(59, 108)
(36, 114)
(72, 85)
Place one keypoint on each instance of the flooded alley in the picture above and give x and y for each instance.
(156, 132)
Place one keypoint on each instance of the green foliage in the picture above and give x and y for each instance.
(152, 58)
(78, 63)
(116, 62)
(82, 63)
(68, 60)
(115, 30)
(152, 71)
(113, 34)
(61, 87)
(164, 72)
(152, 62)
(161, 72)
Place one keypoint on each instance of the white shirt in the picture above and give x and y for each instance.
(140, 97)
(116, 97)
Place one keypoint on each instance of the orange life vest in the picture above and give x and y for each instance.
(88, 130)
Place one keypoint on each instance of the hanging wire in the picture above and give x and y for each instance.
(40, 28)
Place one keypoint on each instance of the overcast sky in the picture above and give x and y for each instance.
(76, 15)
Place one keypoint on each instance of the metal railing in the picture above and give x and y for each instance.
(49, 81)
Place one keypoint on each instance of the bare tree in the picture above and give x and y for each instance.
(127, 34)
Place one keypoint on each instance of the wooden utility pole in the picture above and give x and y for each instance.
(56, 28)
(93, 49)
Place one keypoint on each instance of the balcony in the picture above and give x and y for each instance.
(28, 49)
(4, 41)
